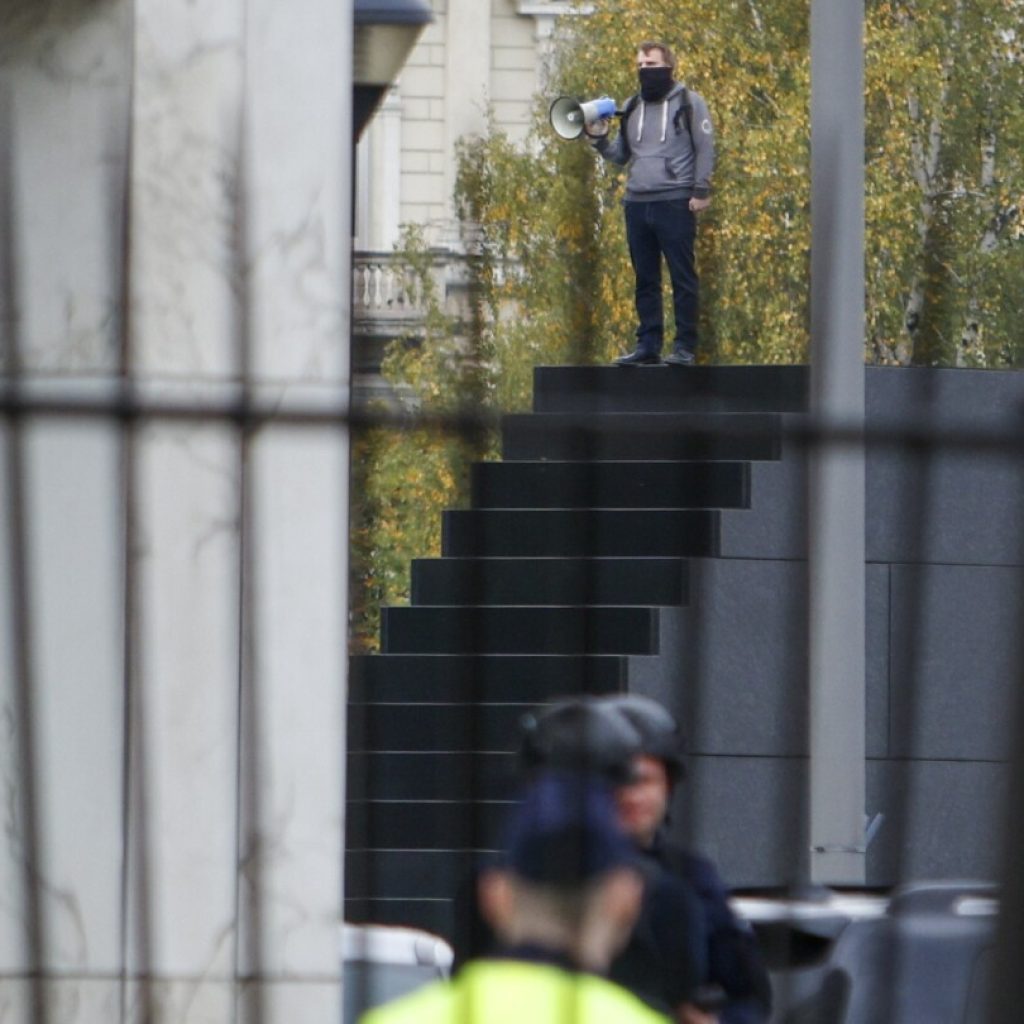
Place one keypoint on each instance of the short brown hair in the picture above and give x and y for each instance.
(666, 52)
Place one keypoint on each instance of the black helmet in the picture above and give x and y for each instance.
(660, 735)
(579, 735)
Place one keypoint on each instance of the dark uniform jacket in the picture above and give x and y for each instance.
(664, 961)
(734, 962)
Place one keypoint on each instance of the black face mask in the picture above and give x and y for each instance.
(655, 83)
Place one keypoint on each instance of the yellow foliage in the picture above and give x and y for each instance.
(551, 275)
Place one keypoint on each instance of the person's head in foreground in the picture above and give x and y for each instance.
(562, 900)
(569, 881)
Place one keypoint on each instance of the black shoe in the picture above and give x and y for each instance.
(639, 358)
(680, 358)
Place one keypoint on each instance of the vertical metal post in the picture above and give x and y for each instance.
(836, 543)
(1007, 988)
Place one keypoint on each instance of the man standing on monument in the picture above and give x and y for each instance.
(667, 141)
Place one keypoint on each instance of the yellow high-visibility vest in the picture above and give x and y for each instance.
(516, 992)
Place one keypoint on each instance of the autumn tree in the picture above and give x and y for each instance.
(543, 227)
(407, 467)
(550, 210)
(945, 181)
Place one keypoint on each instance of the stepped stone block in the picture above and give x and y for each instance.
(519, 678)
(519, 630)
(487, 678)
(641, 436)
(466, 775)
(580, 532)
(610, 485)
(725, 589)
(670, 389)
(408, 874)
(440, 825)
(435, 727)
(551, 581)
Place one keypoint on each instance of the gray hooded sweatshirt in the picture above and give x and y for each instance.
(666, 160)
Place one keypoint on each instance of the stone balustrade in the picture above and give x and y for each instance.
(389, 297)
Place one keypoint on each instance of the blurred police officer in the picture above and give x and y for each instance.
(561, 902)
(737, 984)
(664, 959)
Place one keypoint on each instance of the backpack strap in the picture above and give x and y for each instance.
(686, 109)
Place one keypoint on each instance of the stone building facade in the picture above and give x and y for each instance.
(477, 55)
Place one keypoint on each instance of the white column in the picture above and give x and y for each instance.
(379, 178)
(64, 74)
(189, 80)
(467, 75)
(64, 83)
(184, 733)
(386, 172)
(72, 548)
(300, 150)
(300, 99)
(366, 193)
(181, 895)
(545, 13)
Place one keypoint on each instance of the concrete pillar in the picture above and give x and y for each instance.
(836, 548)
(65, 74)
(187, 713)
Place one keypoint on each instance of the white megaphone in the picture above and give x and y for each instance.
(570, 117)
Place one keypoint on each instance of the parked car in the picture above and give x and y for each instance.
(919, 955)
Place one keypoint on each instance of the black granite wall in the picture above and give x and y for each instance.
(676, 569)
(945, 609)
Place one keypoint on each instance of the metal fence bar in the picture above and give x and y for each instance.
(249, 954)
(136, 925)
(24, 714)
(258, 413)
(1006, 992)
(21, 595)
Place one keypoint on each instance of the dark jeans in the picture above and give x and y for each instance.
(654, 230)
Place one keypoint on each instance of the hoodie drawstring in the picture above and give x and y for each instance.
(664, 120)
